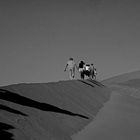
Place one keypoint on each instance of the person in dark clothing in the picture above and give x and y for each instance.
(81, 69)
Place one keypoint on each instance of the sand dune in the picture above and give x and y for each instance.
(51, 111)
(119, 118)
(78, 110)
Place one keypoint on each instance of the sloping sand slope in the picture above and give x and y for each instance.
(122, 78)
(52, 111)
(119, 119)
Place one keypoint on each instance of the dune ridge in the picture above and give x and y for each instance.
(122, 78)
(49, 111)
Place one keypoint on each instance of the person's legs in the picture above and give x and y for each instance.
(70, 74)
(81, 71)
(88, 74)
(82, 75)
(93, 75)
(73, 73)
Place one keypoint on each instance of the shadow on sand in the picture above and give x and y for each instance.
(96, 82)
(18, 99)
(91, 83)
(6, 108)
(4, 134)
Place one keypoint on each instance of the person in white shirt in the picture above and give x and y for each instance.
(70, 66)
(87, 70)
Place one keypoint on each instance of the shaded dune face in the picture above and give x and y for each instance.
(119, 118)
(52, 111)
(133, 83)
(127, 105)
(127, 84)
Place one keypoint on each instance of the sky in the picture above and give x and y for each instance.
(37, 37)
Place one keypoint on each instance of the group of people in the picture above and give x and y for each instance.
(84, 69)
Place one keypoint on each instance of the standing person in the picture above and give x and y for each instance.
(71, 68)
(92, 72)
(81, 69)
(95, 73)
(87, 70)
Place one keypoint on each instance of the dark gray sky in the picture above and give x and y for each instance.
(38, 36)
